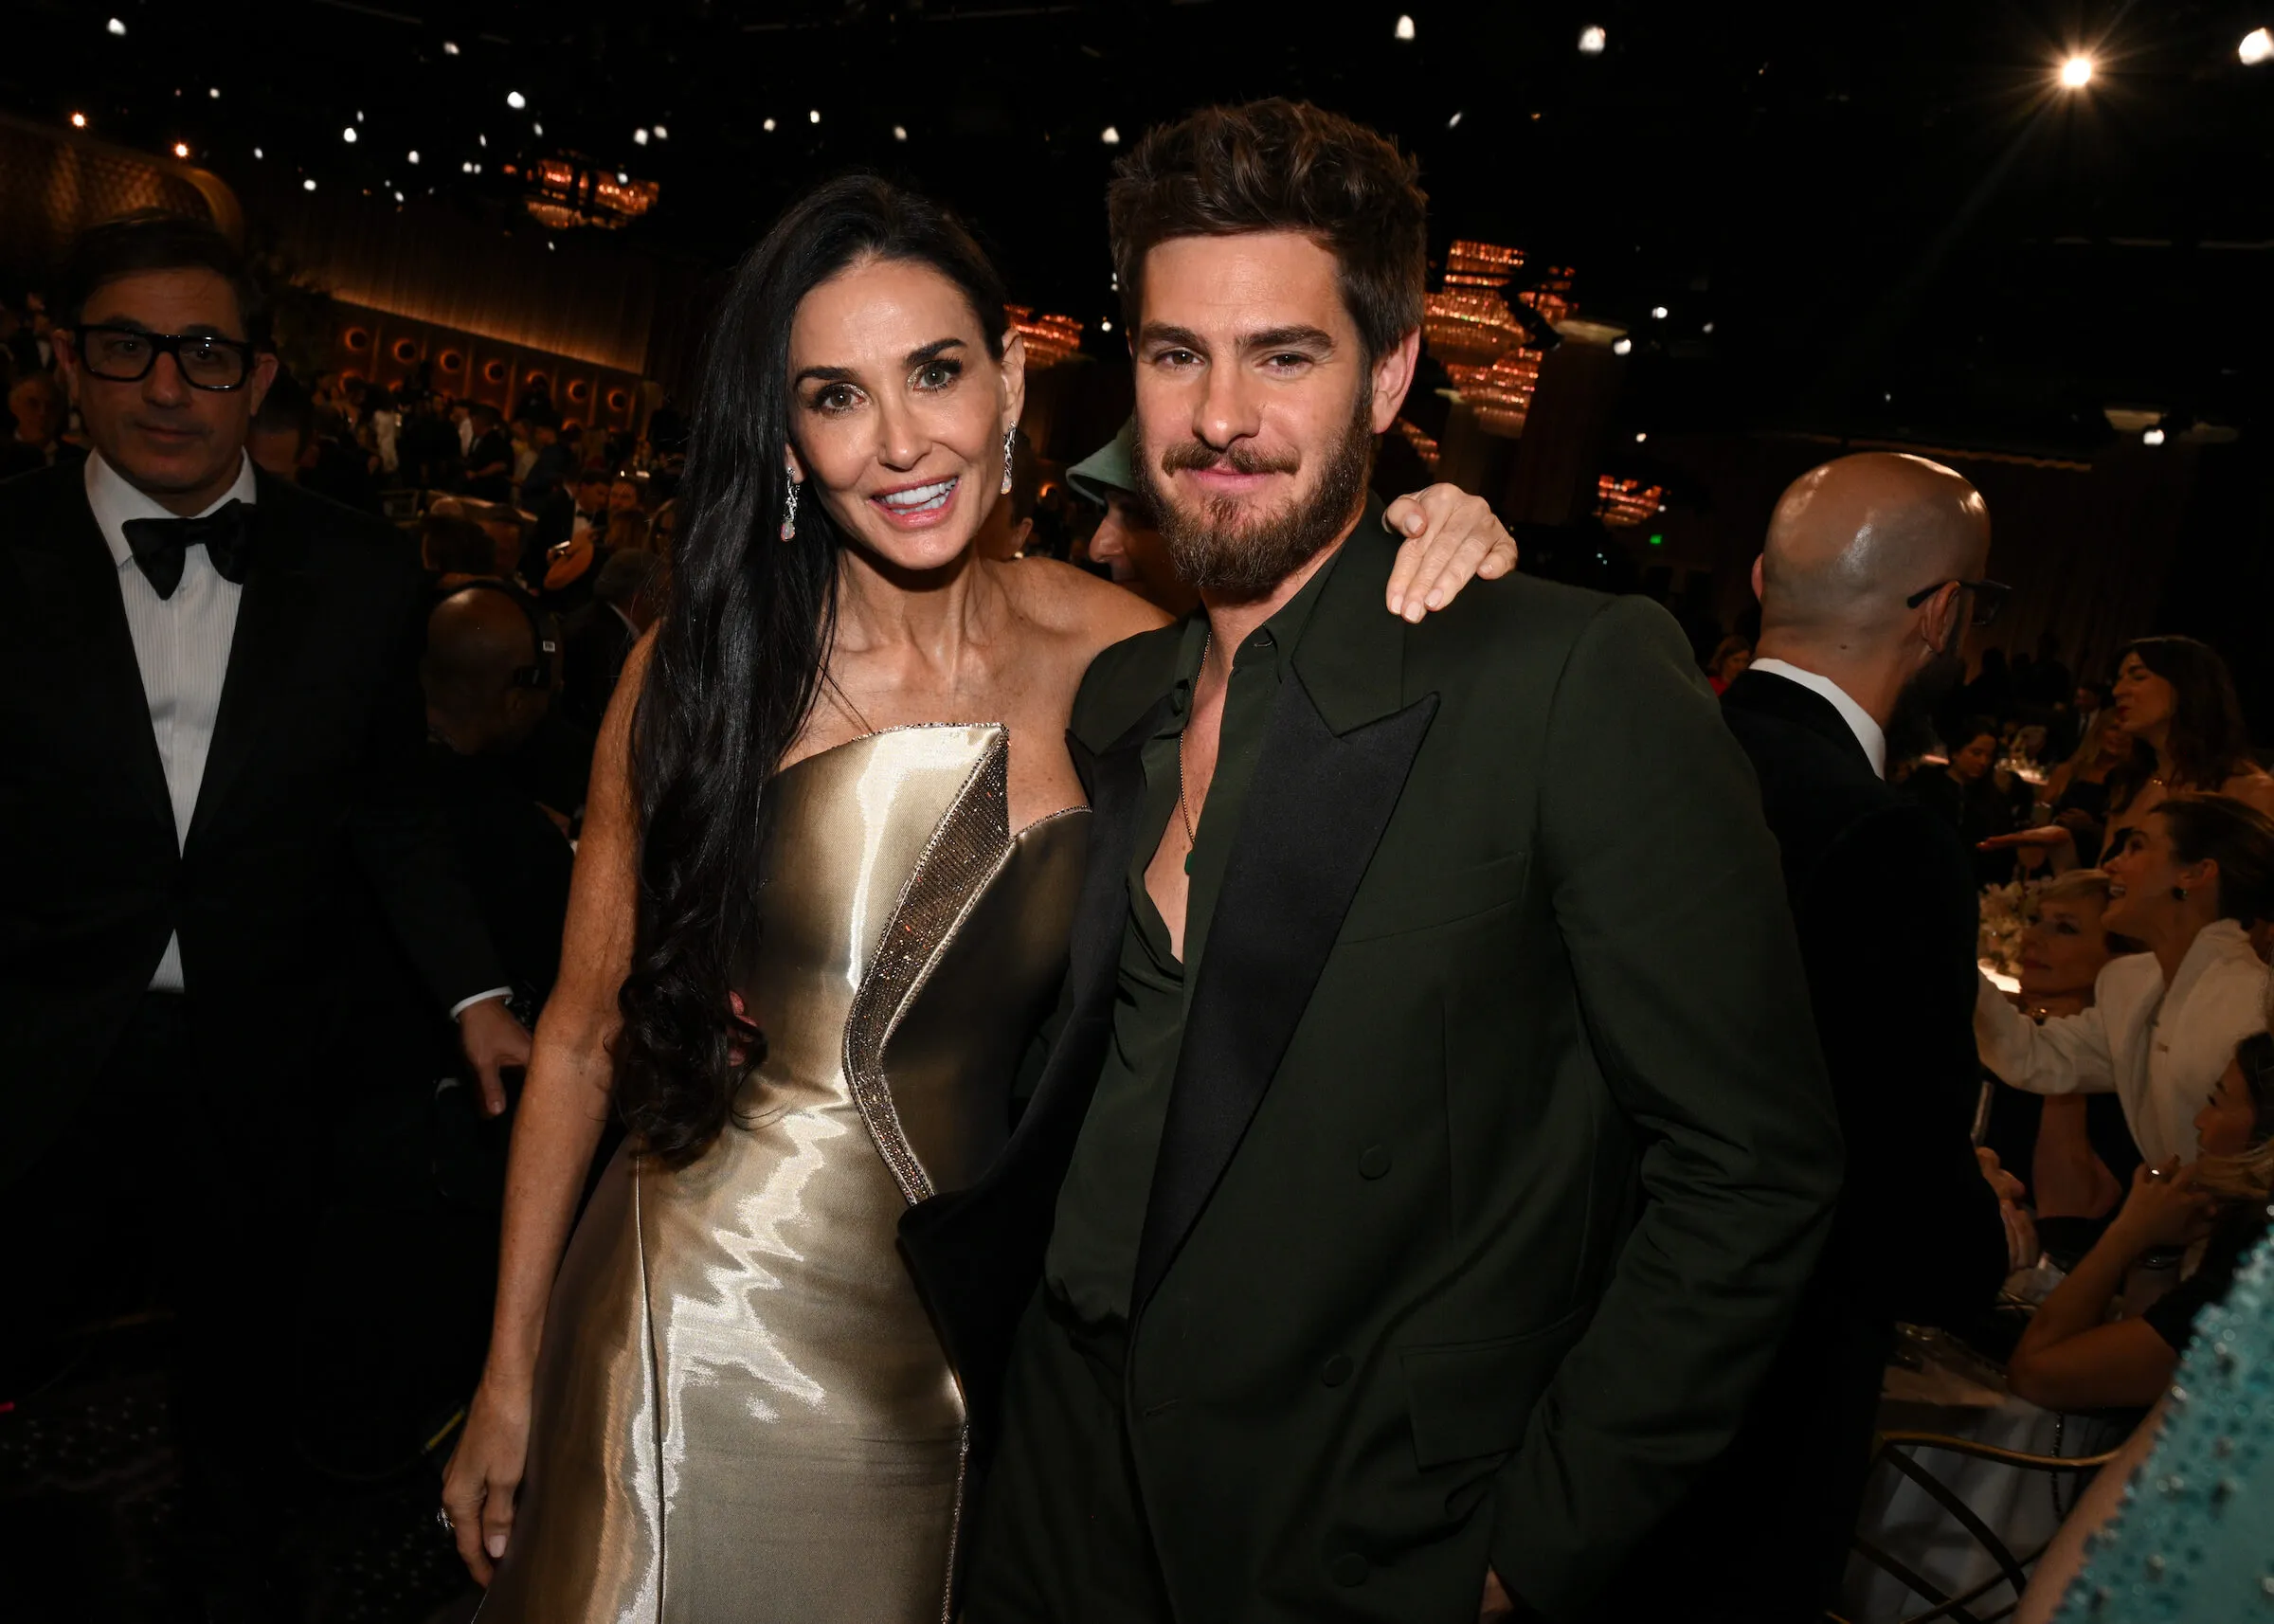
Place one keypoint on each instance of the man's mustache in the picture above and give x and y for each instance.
(1240, 458)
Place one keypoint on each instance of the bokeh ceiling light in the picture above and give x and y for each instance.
(2076, 73)
(2257, 46)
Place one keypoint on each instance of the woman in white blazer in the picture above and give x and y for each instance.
(2164, 1023)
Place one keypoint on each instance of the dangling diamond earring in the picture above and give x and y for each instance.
(1009, 438)
(789, 512)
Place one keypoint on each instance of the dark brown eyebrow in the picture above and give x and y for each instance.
(1297, 338)
(1160, 332)
(917, 358)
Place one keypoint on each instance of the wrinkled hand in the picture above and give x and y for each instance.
(483, 1474)
(1450, 539)
(493, 1041)
(2165, 1208)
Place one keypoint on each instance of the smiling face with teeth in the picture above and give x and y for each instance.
(900, 409)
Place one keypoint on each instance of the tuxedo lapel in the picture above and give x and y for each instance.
(1315, 811)
(272, 618)
(75, 569)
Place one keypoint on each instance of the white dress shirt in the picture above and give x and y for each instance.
(1867, 734)
(2160, 1051)
(182, 644)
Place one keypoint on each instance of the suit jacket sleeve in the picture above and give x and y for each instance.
(399, 833)
(2068, 1055)
(1890, 927)
(1671, 903)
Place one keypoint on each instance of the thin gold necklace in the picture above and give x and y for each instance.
(1184, 810)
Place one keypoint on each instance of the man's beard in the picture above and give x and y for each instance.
(1220, 549)
(1911, 729)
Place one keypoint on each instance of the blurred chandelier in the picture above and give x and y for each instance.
(1476, 337)
(1621, 503)
(1050, 340)
(565, 192)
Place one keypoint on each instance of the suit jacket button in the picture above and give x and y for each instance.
(1348, 1570)
(1336, 1370)
(1374, 1163)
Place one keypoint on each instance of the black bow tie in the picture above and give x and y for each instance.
(161, 546)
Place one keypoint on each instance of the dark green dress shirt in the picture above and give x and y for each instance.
(1093, 1257)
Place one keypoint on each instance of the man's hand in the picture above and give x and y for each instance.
(493, 1041)
(2021, 1229)
(1450, 539)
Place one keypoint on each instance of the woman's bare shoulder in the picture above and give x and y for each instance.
(1077, 605)
(2253, 787)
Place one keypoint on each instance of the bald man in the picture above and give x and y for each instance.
(1871, 575)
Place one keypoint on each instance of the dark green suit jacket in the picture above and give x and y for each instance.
(1500, 1145)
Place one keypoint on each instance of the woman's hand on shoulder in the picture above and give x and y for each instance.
(1452, 538)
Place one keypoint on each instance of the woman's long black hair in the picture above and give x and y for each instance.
(741, 655)
(2208, 739)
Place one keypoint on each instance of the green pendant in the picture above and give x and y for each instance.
(1187, 862)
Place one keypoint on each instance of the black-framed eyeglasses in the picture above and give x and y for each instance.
(1989, 597)
(126, 354)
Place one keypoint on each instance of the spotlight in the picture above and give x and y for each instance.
(78, 120)
(2076, 73)
(767, 126)
(348, 134)
(899, 131)
(1106, 326)
(465, 168)
(449, 48)
(1623, 346)
(1641, 435)
(1453, 122)
(1110, 135)
(215, 94)
(537, 128)
(1708, 328)
(623, 177)
(813, 116)
(398, 197)
(2257, 46)
(181, 149)
(514, 99)
(661, 133)
(257, 152)
(1404, 30)
(1657, 313)
(2152, 437)
(308, 185)
(115, 26)
(638, 137)
(481, 140)
(414, 157)
(1592, 41)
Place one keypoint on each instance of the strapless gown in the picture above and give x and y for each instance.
(741, 1409)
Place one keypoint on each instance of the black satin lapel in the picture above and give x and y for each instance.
(272, 618)
(77, 578)
(1314, 814)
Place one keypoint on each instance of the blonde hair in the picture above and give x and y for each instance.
(2248, 1176)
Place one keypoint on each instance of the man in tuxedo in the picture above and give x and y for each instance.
(1436, 1145)
(626, 600)
(214, 731)
(37, 442)
(489, 457)
(1872, 572)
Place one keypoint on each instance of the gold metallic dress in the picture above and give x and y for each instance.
(742, 1412)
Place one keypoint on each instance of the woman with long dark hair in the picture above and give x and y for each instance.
(830, 859)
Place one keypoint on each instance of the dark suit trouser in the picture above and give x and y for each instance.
(1060, 1533)
(162, 1194)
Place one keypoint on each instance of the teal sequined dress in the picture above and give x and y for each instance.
(2194, 1538)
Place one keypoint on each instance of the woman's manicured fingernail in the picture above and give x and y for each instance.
(495, 1544)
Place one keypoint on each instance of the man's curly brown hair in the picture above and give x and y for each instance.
(1280, 165)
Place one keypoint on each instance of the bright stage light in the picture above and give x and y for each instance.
(449, 48)
(813, 116)
(115, 26)
(2257, 46)
(1623, 346)
(308, 186)
(2076, 73)
(78, 120)
(1110, 135)
(1657, 313)
(638, 137)
(767, 126)
(2152, 437)
(514, 99)
(1592, 41)
(899, 131)
(348, 134)
(181, 149)
(1404, 30)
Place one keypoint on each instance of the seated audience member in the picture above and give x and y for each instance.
(489, 457)
(626, 599)
(2076, 1148)
(2069, 1358)
(1127, 541)
(488, 689)
(36, 403)
(1730, 658)
(284, 432)
(454, 550)
(2077, 789)
(570, 572)
(2163, 1024)
(1010, 522)
(1965, 795)
(624, 497)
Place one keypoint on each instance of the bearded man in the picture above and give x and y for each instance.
(1436, 1143)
